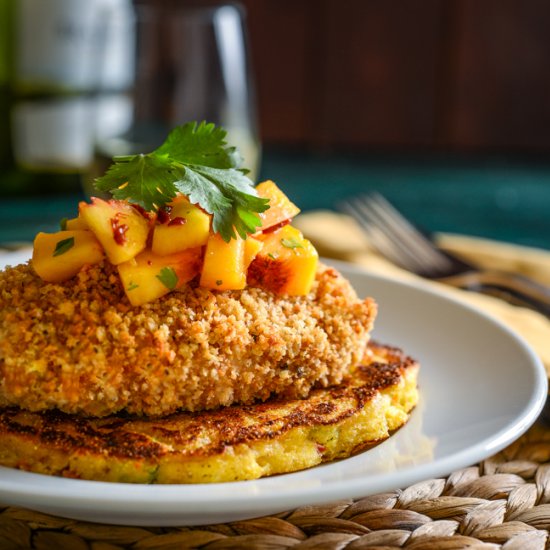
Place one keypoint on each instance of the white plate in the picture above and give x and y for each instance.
(481, 388)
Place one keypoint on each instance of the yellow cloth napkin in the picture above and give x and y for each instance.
(338, 236)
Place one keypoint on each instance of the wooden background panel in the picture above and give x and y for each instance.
(380, 76)
(436, 74)
(281, 37)
(501, 94)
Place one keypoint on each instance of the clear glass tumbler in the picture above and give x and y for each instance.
(189, 63)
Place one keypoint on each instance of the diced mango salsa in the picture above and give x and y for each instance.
(60, 256)
(286, 264)
(120, 228)
(223, 267)
(159, 251)
(188, 227)
(281, 209)
(149, 276)
(76, 224)
(251, 248)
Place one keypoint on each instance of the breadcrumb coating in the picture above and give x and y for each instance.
(79, 346)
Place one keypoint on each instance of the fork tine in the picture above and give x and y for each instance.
(398, 240)
(396, 225)
(400, 228)
(383, 235)
(377, 237)
(389, 248)
(395, 237)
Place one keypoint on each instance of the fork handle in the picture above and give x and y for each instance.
(516, 289)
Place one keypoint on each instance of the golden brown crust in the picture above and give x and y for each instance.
(80, 347)
(251, 440)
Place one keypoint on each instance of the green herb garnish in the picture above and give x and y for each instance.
(133, 286)
(63, 224)
(168, 277)
(196, 161)
(63, 246)
(291, 243)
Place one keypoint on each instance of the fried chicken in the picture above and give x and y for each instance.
(80, 347)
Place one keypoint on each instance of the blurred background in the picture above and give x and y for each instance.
(458, 75)
(442, 105)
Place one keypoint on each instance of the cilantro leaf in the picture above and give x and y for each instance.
(202, 144)
(63, 246)
(168, 277)
(196, 161)
(226, 194)
(146, 180)
(291, 243)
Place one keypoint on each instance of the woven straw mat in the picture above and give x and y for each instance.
(503, 502)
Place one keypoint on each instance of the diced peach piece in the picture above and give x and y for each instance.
(119, 227)
(286, 264)
(59, 256)
(251, 248)
(281, 209)
(223, 267)
(149, 276)
(188, 227)
(76, 224)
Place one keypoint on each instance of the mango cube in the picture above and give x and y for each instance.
(188, 227)
(223, 267)
(149, 276)
(119, 227)
(59, 256)
(286, 264)
(251, 248)
(75, 224)
(281, 210)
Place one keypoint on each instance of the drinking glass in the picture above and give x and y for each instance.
(188, 63)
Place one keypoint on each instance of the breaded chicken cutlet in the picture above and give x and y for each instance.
(80, 347)
(234, 443)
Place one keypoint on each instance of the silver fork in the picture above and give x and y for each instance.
(404, 244)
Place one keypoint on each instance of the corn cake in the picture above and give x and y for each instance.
(234, 443)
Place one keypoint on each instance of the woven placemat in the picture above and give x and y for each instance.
(503, 502)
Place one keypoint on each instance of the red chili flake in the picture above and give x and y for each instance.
(141, 210)
(163, 214)
(119, 230)
(277, 226)
(321, 448)
(178, 221)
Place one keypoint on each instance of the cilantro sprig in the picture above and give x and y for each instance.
(196, 161)
(63, 246)
(168, 277)
(292, 243)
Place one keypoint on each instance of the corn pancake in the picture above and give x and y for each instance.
(80, 346)
(228, 444)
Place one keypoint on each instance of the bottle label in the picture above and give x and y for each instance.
(54, 135)
(73, 45)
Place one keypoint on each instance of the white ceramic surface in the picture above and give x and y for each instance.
(481, 388)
